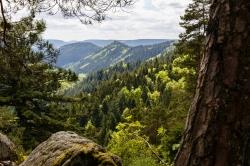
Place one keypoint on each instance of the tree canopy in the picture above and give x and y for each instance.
(29, 80)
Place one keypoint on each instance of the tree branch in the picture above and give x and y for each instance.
(4, 22)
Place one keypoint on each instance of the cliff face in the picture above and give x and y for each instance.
(70, 149)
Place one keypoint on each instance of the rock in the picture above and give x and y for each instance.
(7, 149)
(69, 149)
(7, 163)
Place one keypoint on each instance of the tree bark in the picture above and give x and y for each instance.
(218, 127)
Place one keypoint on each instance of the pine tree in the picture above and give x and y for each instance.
(194, 22)
(29, 81)
(217, 131)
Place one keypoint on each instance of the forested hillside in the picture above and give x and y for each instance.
(114, 53)
(143, 105)
(135, 96)
(134, 101)
(72, 53)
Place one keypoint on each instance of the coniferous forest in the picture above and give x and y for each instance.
(181, 102)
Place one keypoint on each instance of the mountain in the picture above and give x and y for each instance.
(100, 59)
(103, 43)
(57, 43)
(71, 53)
(100, 43)
(114, 53)
(142, 53)
(132, 43)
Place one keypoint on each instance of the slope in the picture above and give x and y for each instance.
(74, 52)
(117, 52)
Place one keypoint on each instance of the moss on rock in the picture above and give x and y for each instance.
(70, 149)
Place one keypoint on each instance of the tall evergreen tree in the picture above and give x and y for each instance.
(192, 40)
(28, 79)
(217, 132)
(194, 22)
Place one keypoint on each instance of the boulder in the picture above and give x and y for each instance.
(69, 149)
(7, 151)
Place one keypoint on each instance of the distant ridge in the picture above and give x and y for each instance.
(92, 55)
(114, 53)
(132, 43)
(57, 43)
(103, 43)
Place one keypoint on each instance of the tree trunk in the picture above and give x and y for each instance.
(218, 127)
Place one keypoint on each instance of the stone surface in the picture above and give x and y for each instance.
(69, 149)
(7, 149)
(7, 163)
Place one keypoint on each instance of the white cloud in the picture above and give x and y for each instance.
(146, 19)
(161, 4)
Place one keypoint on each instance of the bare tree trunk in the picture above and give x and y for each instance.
(218, 127)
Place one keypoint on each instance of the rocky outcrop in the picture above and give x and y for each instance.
(7, 151)
(70, 149)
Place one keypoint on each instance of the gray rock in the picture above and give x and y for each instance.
(7, 149)
(70, 149)
(7, 163)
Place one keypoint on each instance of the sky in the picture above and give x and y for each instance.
(146, 19)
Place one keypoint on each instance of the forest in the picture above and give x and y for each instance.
(181, 102)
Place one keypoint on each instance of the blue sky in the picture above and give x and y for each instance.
(145, 19)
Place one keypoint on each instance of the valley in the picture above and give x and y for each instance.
(175, 93)
(86, 57)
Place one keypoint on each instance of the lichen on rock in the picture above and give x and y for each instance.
(69, 149)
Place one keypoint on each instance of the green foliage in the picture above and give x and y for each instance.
(29, 81)
(130, 144)
(9, 125)
(90, 130)
(137, 109)
(183, 68)
(7, 119)
(154, 95)
(194, 21)
(170, 141)
(136, 112)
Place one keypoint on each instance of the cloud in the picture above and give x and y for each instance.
(146, 19)
(175, 4)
